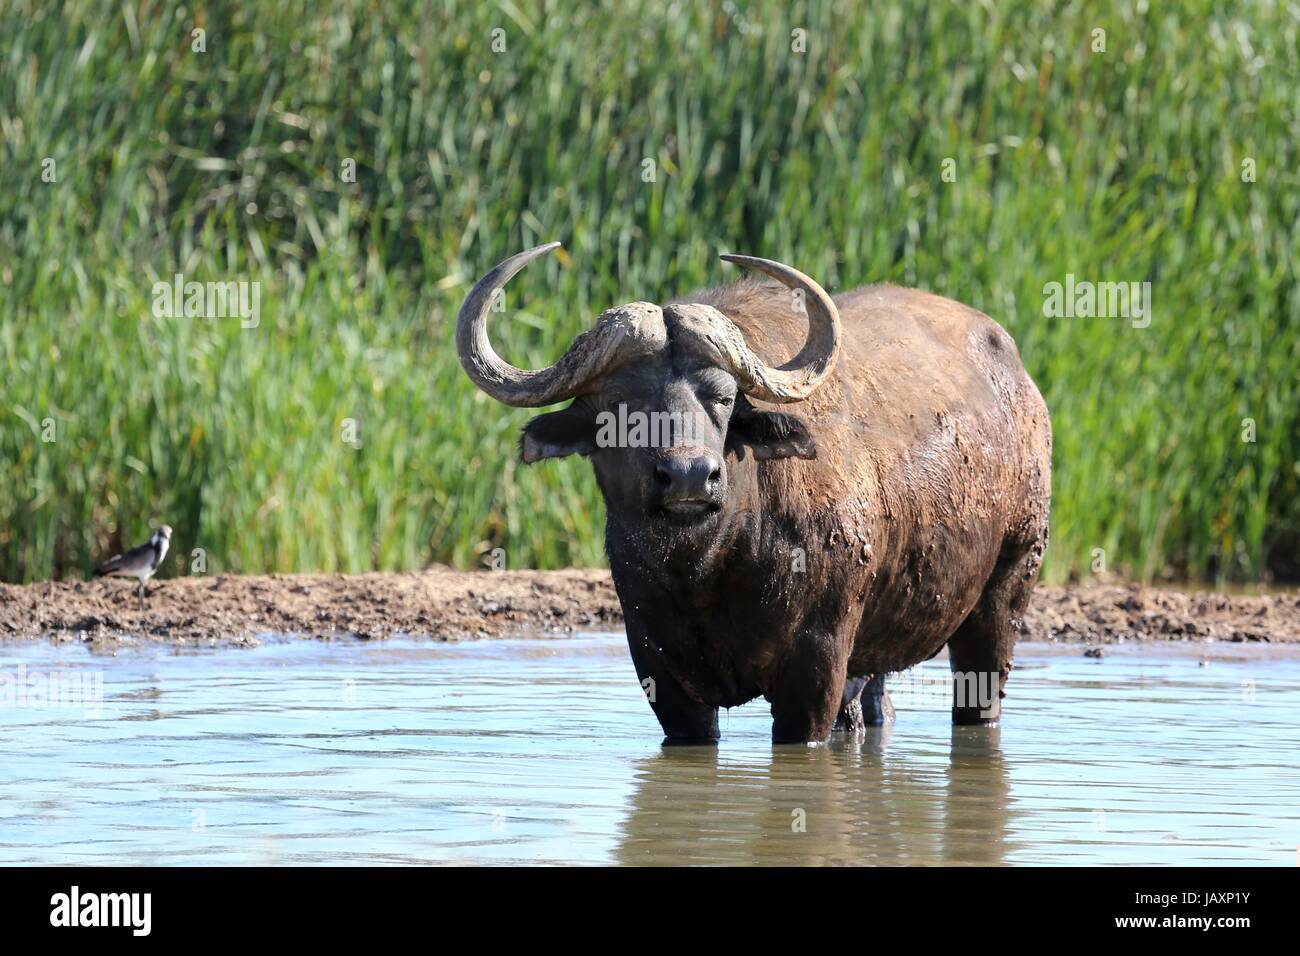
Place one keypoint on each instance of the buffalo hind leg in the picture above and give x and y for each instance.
(865, 703)
(980, 651)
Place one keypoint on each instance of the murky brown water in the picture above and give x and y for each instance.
(545, 751)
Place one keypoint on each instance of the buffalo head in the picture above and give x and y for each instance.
(660, 396)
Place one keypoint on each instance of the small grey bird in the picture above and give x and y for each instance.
(140, 562)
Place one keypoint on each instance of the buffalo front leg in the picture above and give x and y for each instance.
(808, 694)
(683, 718)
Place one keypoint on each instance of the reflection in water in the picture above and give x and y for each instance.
(975, 828)
(848, 803)
(545, 751)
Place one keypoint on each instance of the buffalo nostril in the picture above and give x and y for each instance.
(688, 479)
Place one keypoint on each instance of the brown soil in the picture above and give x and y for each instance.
(445, 605)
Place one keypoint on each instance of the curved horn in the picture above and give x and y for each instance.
(633, 328)
(799, 377)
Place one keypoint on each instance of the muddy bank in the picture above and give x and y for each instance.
(444, 605)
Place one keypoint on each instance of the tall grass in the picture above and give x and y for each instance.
(227, 164)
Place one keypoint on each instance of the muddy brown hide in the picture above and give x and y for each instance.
(920, 522)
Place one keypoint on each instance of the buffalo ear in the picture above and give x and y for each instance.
(571, 431)
(769, 434)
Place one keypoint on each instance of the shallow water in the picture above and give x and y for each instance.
(545, 751)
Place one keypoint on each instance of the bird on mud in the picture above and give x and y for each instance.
(141, 562)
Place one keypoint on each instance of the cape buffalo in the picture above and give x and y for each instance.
(798, 558)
